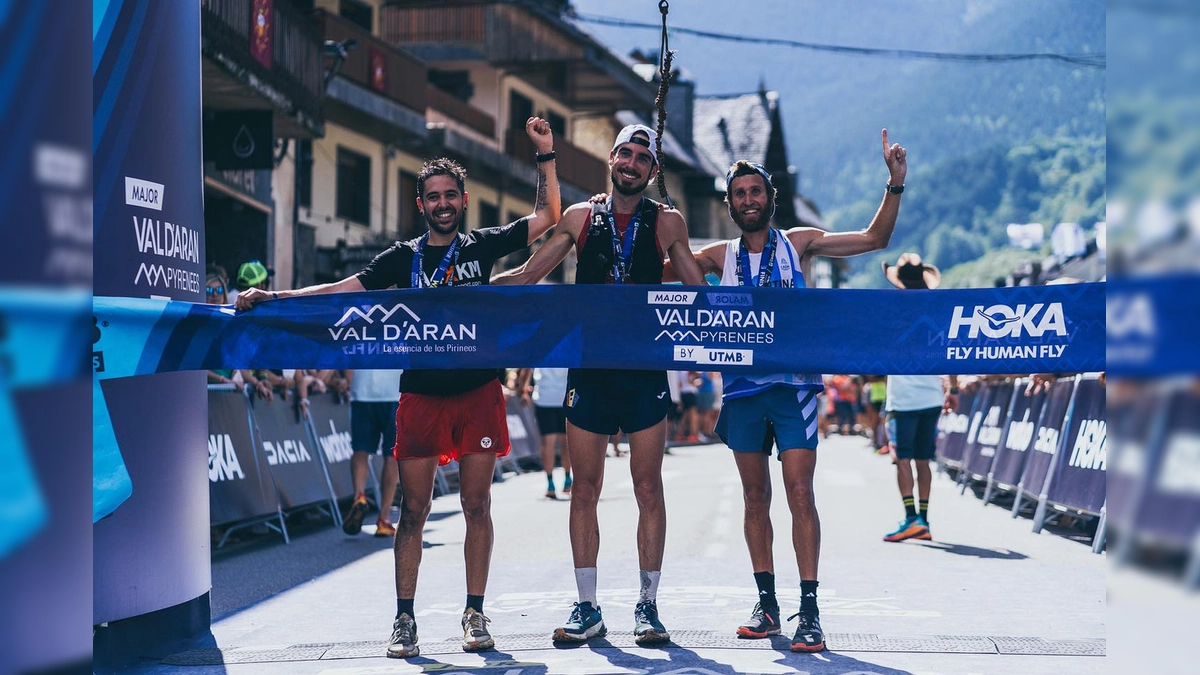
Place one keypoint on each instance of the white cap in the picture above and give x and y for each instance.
(626, 136)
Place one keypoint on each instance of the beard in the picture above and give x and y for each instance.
(760, 222)
(627, 187)
(449, 228)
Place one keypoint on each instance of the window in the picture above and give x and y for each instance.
(411, 222)
(489, 215)
(353, 186)
(558, 124)
(304, 163)
(520, 109)
(455, 82)
(357, 12)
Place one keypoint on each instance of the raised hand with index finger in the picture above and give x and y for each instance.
(895, 156)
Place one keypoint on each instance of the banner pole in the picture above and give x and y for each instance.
(1099, 540)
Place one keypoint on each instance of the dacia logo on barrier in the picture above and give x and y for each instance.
(1002, 321)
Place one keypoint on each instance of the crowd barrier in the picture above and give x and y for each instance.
(264, 460)
(1050, 448)
(1155, 483)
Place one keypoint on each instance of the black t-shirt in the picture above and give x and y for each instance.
(479, 251)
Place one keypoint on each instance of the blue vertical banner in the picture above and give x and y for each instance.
(151, 550)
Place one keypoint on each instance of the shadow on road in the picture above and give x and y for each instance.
(974, 551)
(678, 658)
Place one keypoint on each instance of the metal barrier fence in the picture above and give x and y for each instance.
(265, 460)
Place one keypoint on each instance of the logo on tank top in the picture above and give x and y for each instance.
(485, 442)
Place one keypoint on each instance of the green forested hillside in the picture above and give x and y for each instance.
(956, 210)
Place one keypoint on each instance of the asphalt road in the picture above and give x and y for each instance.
(972, 600)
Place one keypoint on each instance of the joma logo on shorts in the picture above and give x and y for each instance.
(1000, 321)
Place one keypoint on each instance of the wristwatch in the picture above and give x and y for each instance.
(895, 189)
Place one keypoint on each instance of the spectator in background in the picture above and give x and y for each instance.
(215, 286)
(252, 274)
(373, 402)
(875, 395)
(914, 403)
(706, 405)
(546, 389)
(687, 399)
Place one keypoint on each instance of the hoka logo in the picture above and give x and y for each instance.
(374, 313)
(1000, 321)
(1090, 451)
(222, 459)
(286, 452)
(336, 445)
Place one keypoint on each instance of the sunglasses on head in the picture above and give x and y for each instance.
(214, 290)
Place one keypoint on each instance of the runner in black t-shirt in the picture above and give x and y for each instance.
(449, 414)
(621, 242)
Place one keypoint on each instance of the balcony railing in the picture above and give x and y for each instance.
(295, 57)
(573, 164)
(458, 109)
(377, 65)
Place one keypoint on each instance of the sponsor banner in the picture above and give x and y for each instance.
(753, 330)
(953, 428)
(1151, 326)
(1020, 434)
(331, 429)
(1136, 422)
(288, 453)
(1082, 466)
(987, 429)
(1047, 437)
(1170, 509)
(523, 432)
(237, 485)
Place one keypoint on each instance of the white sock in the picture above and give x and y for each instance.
(649, 591)
(585, 582)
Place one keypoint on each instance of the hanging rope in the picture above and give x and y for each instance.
(665, 56)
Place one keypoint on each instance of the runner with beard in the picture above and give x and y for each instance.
(447, 415)
(621, 241)
(781, 410)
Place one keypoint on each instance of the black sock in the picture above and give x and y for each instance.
(475, 602)
(404, 606)
(924, 510)
(766, 589)
(808, 597)
(910, 509)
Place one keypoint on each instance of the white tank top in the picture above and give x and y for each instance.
(787, 262)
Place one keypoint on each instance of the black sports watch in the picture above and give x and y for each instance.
(895, 189)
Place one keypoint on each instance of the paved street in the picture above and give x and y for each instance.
(984, 590)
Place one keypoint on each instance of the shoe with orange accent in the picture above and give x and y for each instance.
(384, 528)
(809, 637)
(352, 522)
(924, 535)
(763, 621)
(909, 528)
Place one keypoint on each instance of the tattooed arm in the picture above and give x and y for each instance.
(547, 207)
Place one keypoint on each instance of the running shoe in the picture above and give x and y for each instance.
(809, 636)
(924, 535)
(585, 622)
(763, 621)
(475, 633)
(567, 485)
(647, 629)
(352, 522)
(403, 644)
(550, 489)
(909, 528)
(384, 528)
